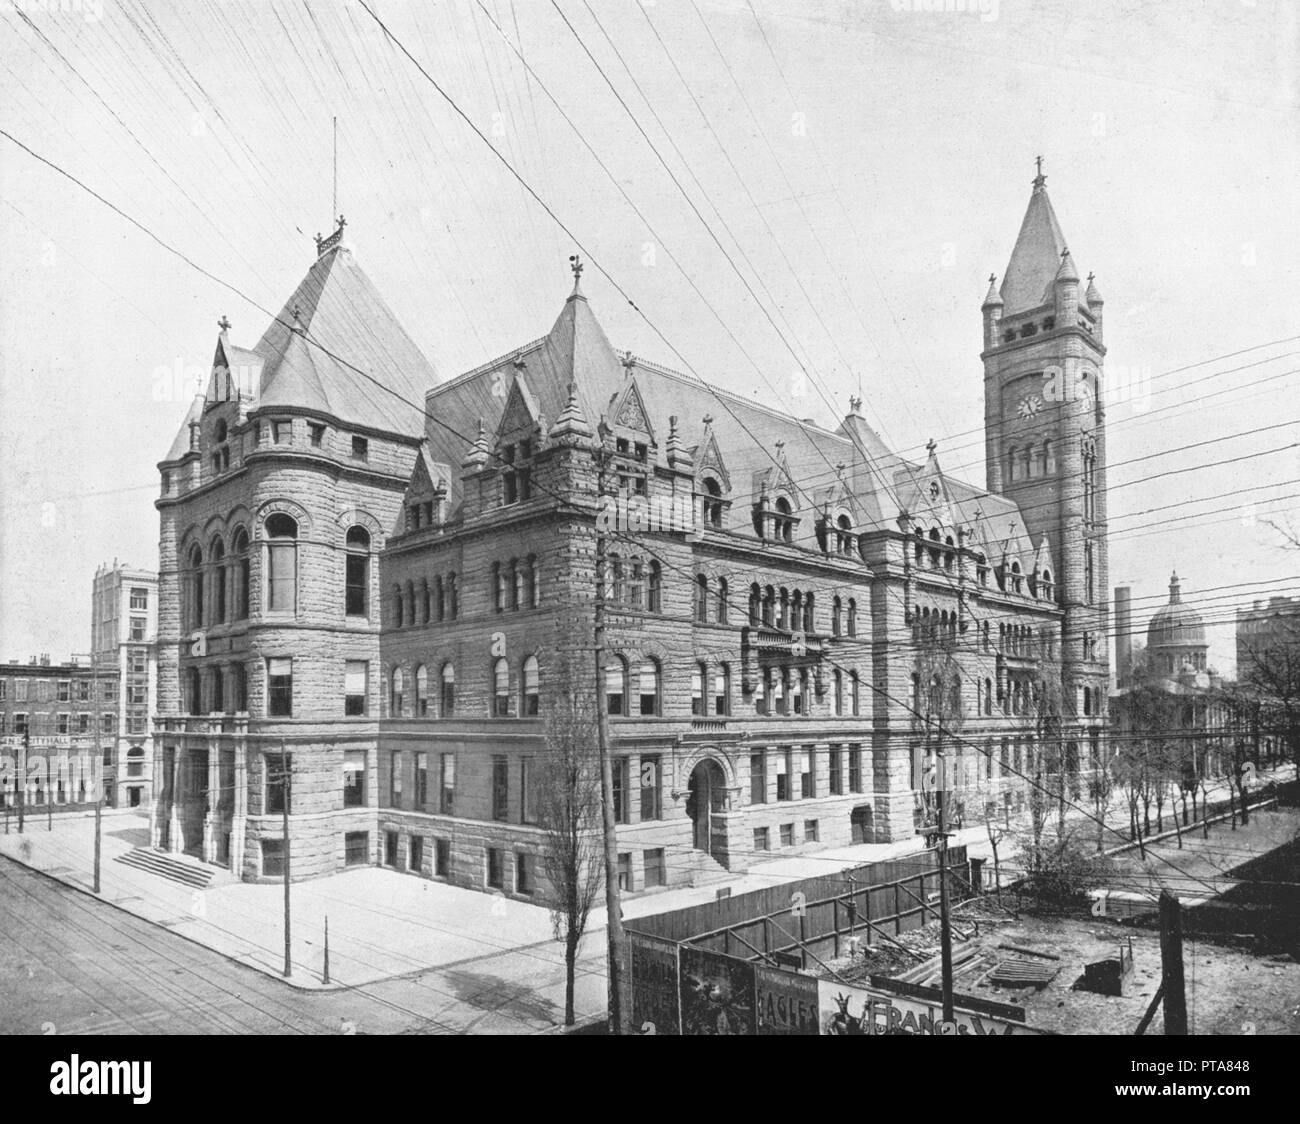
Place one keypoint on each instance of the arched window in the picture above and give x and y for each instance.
(648, 678)
(855, 693)
(217, 560)
(701, 598)
(135, 761)
(500, 689)
(421, 691)
(530, 697)
(844, 536)
(397, 606)
(396, 703)
(357, 573)
(839, 692)
(853, 617)
(783, 524)
(532, 600)
(453, 596)
(194, 691)
(699, 676)
(520, 598)
(836, 610)
(448, 679)
(239, 547)
(440, 597)
(755, 605)
(1040, 460)
(808, 620)
(722, 690)
(196, 586)
(616, 687)
(780, 689)
(988, 696)
(1013, 463)
(655, 599)
(783, 621)
(712, 503)
(769, 606)
(721, 615)
(1049, 458)
(423, 602)
(281, 564)
(498, 588)
(798, 689)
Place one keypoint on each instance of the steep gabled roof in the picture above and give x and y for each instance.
(1027, 282)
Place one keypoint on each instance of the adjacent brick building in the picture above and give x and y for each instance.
(59, 718)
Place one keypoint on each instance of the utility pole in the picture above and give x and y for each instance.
(945, 929)
(95, 720)
(614, 924)
(21, 779)
(284, 807)
(1171, 963)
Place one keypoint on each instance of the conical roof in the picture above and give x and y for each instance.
(345, 325)
(1027, 282)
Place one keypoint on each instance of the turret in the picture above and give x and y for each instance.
(1066, 291)
(992, 309)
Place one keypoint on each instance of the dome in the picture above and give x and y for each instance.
(1176, 625)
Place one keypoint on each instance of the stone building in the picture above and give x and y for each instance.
(787, 603)
(124, 647)
(277, 494)
(796, 615)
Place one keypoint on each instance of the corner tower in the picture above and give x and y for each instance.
(1045, 426)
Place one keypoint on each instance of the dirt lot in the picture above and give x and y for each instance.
(1240, 951)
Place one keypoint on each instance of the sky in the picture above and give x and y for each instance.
(796, 200)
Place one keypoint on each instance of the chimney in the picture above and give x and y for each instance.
(1123, 636)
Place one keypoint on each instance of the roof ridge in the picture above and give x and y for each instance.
(483, 368)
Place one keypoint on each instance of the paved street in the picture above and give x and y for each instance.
(72, 965)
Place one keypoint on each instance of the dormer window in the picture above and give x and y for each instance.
(1017, 580)
(360, 449)
(844, 537)
(783, 521)
(712, 503)
(1049, 323)
(516, 476)
(317, 432)
(281, 431)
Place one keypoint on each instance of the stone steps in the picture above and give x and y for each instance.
(168, 866)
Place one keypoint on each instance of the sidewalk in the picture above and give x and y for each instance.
(382, 924)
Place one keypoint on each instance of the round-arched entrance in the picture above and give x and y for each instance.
(706, 799)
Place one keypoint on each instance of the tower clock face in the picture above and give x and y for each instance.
(1029, 406)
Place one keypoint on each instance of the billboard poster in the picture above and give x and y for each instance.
(785, 1002)
(654, 984)
(857, 1010)
(717, 993)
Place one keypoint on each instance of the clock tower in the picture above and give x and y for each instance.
(1045, 427)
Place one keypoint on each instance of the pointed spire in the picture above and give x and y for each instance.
(1175, 589)
(1039, 179)
(571, 426)
(1093, 295)
(1067, 272)
(477, 456)
(1027, 280)
(993, 299)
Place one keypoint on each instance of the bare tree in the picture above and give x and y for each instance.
(1271, 668)
(569, 811)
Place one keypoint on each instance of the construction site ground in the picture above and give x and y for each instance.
(1241, 890)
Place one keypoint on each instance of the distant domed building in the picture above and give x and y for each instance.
(1176, 644)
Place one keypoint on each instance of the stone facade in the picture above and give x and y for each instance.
(796, 617)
